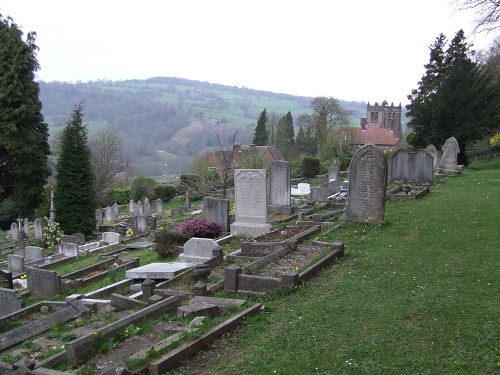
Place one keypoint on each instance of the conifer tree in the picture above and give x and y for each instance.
(456, 98)
(260, 137)
(74, 198)
(24, 148)
(286, 134)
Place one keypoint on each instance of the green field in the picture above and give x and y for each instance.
(417, 294)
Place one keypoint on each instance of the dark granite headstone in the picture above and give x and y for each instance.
(121, 229)
(6, 279)
(106, 228)
(151, 222)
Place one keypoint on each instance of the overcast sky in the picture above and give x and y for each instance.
(362, 50)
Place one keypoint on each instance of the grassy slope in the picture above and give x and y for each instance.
(418, 294)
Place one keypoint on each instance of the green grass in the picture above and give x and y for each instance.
(417, 294)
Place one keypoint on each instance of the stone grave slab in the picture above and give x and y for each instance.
(139, 245)
(155, 271)
(199, 250)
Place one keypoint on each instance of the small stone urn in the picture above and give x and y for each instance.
(201, 272)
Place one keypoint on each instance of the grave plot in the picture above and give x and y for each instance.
(407, 192)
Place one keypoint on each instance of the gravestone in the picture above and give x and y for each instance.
(415, 167)
(106, 228)
(135, 211)
(333, 174)
(159, 207)
(158, 271)
(68, 238)
(140, 208)
(79, 238)
(199, 250)
(304, 188)
(111, 237)
(116, 208)
(175, 212)
(280, 183)
(151, 222)
(26, 227)
(68, 249)
(10, 301)
(43, 283)
(32, 253)
(37, 228)
(141, 225)
(367, 186)
(121, 229)
(431, 149)
(251, 203)
(99, 217)
(449, 157)
(6, 279)
(146, 207)
(107, 214)
(131, 205)
(15, 263)
(320, 194)
(14, 232)
(216, 210)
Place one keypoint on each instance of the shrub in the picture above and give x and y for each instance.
(344, 163)
(310, 167)
(199, 227)
(119, 195)
(52, 235)
(167, 242)
(165, 192)
(142, 187)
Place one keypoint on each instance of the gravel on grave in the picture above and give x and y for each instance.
(289, 263)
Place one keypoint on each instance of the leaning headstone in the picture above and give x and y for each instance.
(6, 279)
(217, 211)
(280, 183)
(43, 283)
(367, 186)
(159, 207)
(14, 232)
(199, 250)
(449, 158)
(146, 207)
(37, 227)
(99, 217)
(10, 301)
(333, 174)
(15, 263)
(33, 253)
(251, 218)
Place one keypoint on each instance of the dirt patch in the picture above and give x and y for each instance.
(289, 263)
(281, 234)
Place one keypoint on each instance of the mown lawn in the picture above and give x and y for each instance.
(417, 294)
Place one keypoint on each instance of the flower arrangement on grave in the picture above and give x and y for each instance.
(129, 232)
(52, 235)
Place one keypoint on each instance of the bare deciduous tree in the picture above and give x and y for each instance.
(487, 13)
(107, 158)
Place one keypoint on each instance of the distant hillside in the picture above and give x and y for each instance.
(166, 121)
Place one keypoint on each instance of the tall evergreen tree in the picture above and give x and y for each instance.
(74, 198)
(286, 134)
(456, 97)
(24, 148)
(260, 137)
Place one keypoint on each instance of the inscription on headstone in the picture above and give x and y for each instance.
(6, 279)
(367, 186)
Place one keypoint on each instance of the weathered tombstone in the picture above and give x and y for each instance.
(367, 186)
(304, 188)
(111, 237)
(217, 211)
(26, 227)
(6, 279)
(131, 204)
(280, 183)
(449, 157)
(175, 212)
(107, 214)
(45, 222)
(199, 250)
(37, 227)
(116, 208)
(320, 194)
(98, 217)
(140, 208)
(159, 207)
(106, 228)
(431, 149)
(251, 203)
(136, 210)
(146, 207)
(111, 213)
(68, 238)
(416, 167)
(68, 249)
(121, 229)
(43, 283)
(79, 238)
(10, 301)
(15, 263)
(141, 226)
(333, 174)
(32, 253)
(151, 222)
(14, 232)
